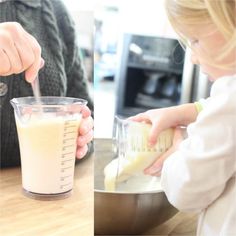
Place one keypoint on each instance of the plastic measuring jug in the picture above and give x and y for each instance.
(47, 137)
(134, 154)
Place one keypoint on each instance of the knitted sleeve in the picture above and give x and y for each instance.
(77, 83)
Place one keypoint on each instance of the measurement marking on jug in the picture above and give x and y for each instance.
(67, 146)
(69, 127)
(65, 154)
(67, 140)
(68, 154)
(69, 121)
(71, 132)
(64, 177)
(65, 168)
(65, 185)
(63, 162)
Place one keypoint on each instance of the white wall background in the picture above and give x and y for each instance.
(145, 17)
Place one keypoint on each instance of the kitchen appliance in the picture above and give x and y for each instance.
(155, 72)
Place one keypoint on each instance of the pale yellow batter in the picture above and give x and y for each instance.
(48, 146)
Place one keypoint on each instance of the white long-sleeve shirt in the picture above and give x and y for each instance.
(201, 174)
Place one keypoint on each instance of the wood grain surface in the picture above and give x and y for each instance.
(21, 216)
(182, 224)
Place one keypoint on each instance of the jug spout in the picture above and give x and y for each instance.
(14, 103)
(22, 109)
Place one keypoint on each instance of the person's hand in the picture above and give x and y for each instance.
(19, 51)
(85, 134)
(165, 118)
(156, 167)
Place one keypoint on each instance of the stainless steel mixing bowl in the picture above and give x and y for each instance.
(124, 213)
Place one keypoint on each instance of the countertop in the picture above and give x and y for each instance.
(21, 216)
(182, 224)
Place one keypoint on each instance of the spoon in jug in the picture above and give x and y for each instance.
(37, 94)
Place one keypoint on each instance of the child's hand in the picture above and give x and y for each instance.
(165, 118)
(85, 134)
(156, 167)
(19, 51)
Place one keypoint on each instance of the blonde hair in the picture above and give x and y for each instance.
(192, 13)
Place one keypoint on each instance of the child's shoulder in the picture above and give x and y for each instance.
(225, 84)
(221, 104)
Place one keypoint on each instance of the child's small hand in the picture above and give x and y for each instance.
(85, 134)
(165, 118)
(156, 167)
(160, 120)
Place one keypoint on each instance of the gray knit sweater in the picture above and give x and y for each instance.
(62, 75)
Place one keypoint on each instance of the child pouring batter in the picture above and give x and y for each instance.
(199, 172)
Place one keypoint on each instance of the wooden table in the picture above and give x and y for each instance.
(182, 224)
(21, 216)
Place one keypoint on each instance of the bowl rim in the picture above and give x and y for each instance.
(128, 193)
